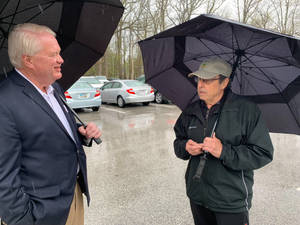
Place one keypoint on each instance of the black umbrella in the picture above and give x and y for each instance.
(266, 65)
(83, 27)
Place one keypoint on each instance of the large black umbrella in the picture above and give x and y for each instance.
(83, 27)
(266, 65)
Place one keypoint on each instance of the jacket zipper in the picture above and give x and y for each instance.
(247, 193)
(206, 122)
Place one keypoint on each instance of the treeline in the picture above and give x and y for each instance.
(144, 18)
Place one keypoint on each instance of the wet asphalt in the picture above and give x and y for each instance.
(136, 179)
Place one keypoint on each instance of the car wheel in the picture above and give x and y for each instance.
(158, 98)
(120, 102)
(146, 103)
(95, 108)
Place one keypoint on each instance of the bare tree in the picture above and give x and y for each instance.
(185, 10)
(263, 17)
(285, 12)
(157, 11)
(246, 9)
(127, 25)
(212, 6)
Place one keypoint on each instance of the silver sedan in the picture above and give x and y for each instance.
(124, 92)
(83, 95)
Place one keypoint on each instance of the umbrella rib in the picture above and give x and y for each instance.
(41, 12)
(232, 42)
(17, 12)
(50, 3)
(213, 52)
(262, 67)
(248, 83)
(280, 93)
(234, 35)
(4, 6)
(271, 82)
(266, 42)
(9, 26)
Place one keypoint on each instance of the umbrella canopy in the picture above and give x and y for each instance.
(266, 65)
(83, 27)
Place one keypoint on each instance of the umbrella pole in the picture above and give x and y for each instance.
(203, 157)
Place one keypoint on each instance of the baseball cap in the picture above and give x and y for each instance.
(211, 68)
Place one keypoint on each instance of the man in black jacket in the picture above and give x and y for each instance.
(240, 144)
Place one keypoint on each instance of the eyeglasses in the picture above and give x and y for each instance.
(205, 81)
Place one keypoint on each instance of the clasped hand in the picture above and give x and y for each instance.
(212, 145)
(90, 131)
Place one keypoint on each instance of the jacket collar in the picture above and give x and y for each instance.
(196, 107)
(30, 91)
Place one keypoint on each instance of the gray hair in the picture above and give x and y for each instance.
(24, 40)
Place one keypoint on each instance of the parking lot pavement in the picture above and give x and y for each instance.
(135, 178)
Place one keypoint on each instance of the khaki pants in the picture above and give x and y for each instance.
(76, 214)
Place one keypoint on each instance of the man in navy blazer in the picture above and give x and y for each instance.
(41, 155)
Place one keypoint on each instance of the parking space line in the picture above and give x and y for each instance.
(164, 105)
(110, 109)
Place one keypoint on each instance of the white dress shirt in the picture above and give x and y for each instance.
(51, 100)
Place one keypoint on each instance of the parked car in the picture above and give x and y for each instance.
(82, 95)
(123, 92)
(102, 79)
(113, 78)
(95, 83)
(158, 97)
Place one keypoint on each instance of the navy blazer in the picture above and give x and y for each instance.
(38, 158)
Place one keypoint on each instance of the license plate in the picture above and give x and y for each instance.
(141, 92)
(84, 95)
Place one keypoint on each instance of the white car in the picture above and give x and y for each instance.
(95, 83)
(123, 92)
(102, 79)
(82, 95)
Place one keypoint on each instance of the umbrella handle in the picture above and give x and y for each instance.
(200, 167)
(97, 140)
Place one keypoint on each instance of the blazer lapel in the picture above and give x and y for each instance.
(30, 91)
(68, 116)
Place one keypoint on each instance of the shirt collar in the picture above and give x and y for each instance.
(49, 90)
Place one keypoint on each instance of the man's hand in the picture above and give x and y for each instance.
(91, 131)
(213, 145)
(193, 147)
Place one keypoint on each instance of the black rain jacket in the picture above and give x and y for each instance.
(226, 183)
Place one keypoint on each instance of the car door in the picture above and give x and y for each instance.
(106, 92)
(116, 87)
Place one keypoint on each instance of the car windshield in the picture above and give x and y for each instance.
(133, 83)
(101, 77)
(81, 85)
(141, 78)
(91, 80)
